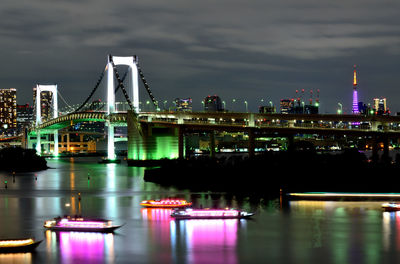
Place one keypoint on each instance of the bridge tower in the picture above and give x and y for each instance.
(131, 62)
(53, 89)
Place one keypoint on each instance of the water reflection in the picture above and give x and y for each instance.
(16, 258)
(207, 241)
(199, 241)
(82, 247)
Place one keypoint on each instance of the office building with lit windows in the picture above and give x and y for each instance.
(45, 104)
(380, 106)
(184, 105)
(213, 103)
(286, 106)
(24, 116)
(8, 108)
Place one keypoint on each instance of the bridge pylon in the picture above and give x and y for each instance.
(131, 62)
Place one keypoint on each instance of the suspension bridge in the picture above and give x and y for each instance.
(142, 125)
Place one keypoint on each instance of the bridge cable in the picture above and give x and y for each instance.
(122, 86)
(92, 92)
(146, 85)
(122, 79)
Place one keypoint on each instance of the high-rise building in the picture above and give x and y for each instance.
(24, 116)
(8, 108)
(355, 109)
(380, 106)
(213, 104)
(286, 106)
(183, 104)
(45, 104)
(267, 109)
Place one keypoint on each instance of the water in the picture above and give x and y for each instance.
(306, 232)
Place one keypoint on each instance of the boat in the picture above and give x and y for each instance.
(18, 245)
(390, 207)
(165, 203)
(209, 214)
(109, 161)
(69, 223)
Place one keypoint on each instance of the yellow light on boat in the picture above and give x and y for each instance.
(15, 243)
(386, 195)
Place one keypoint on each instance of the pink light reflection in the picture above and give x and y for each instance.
(85, 246)
(212, 241)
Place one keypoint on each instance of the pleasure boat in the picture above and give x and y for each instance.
(390, 207)
(209, 214)
(18, 245)
(165, 203)
(80, 224)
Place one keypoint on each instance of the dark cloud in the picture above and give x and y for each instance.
(247, 50)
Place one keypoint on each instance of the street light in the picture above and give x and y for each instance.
(270, 102)
(165, 102)
(247, 110)
(223, 102)
(340, 111)
(233, 101)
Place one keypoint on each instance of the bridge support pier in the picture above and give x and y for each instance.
(375, 156)
(110, 142)
(38, 144)
(55, 147)
(252, 143)
(385, 156)
(290, 141)
(212, 144)
(180, 142)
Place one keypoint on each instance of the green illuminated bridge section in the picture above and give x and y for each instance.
(352, 124)
(70, 119)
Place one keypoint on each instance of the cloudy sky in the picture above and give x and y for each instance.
(243, 50)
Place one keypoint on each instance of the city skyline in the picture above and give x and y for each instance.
(248, 51)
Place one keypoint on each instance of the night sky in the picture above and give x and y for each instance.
(247, 50)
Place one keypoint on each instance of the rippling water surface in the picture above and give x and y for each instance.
(302, 232)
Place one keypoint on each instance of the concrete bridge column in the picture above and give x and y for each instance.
(38, 146)
(180, 142)
(46, 145)
(290, 141)
(29, 142)
(375, 156)
(180, 120)
(55, 148)
(385, 156)
(291, 123)
(251, 122)
(374, 125)
(212, 144)
(110, 141)
(252, 143)
(68, 141)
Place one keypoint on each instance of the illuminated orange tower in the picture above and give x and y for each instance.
(355, 109)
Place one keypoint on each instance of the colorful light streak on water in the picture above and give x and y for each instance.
(16, 258)
(86, 247)
(209, 241)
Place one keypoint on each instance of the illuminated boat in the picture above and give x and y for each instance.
(80, 224)
(165, 203)
(18, 245)
(391, 207)
(209, 214)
